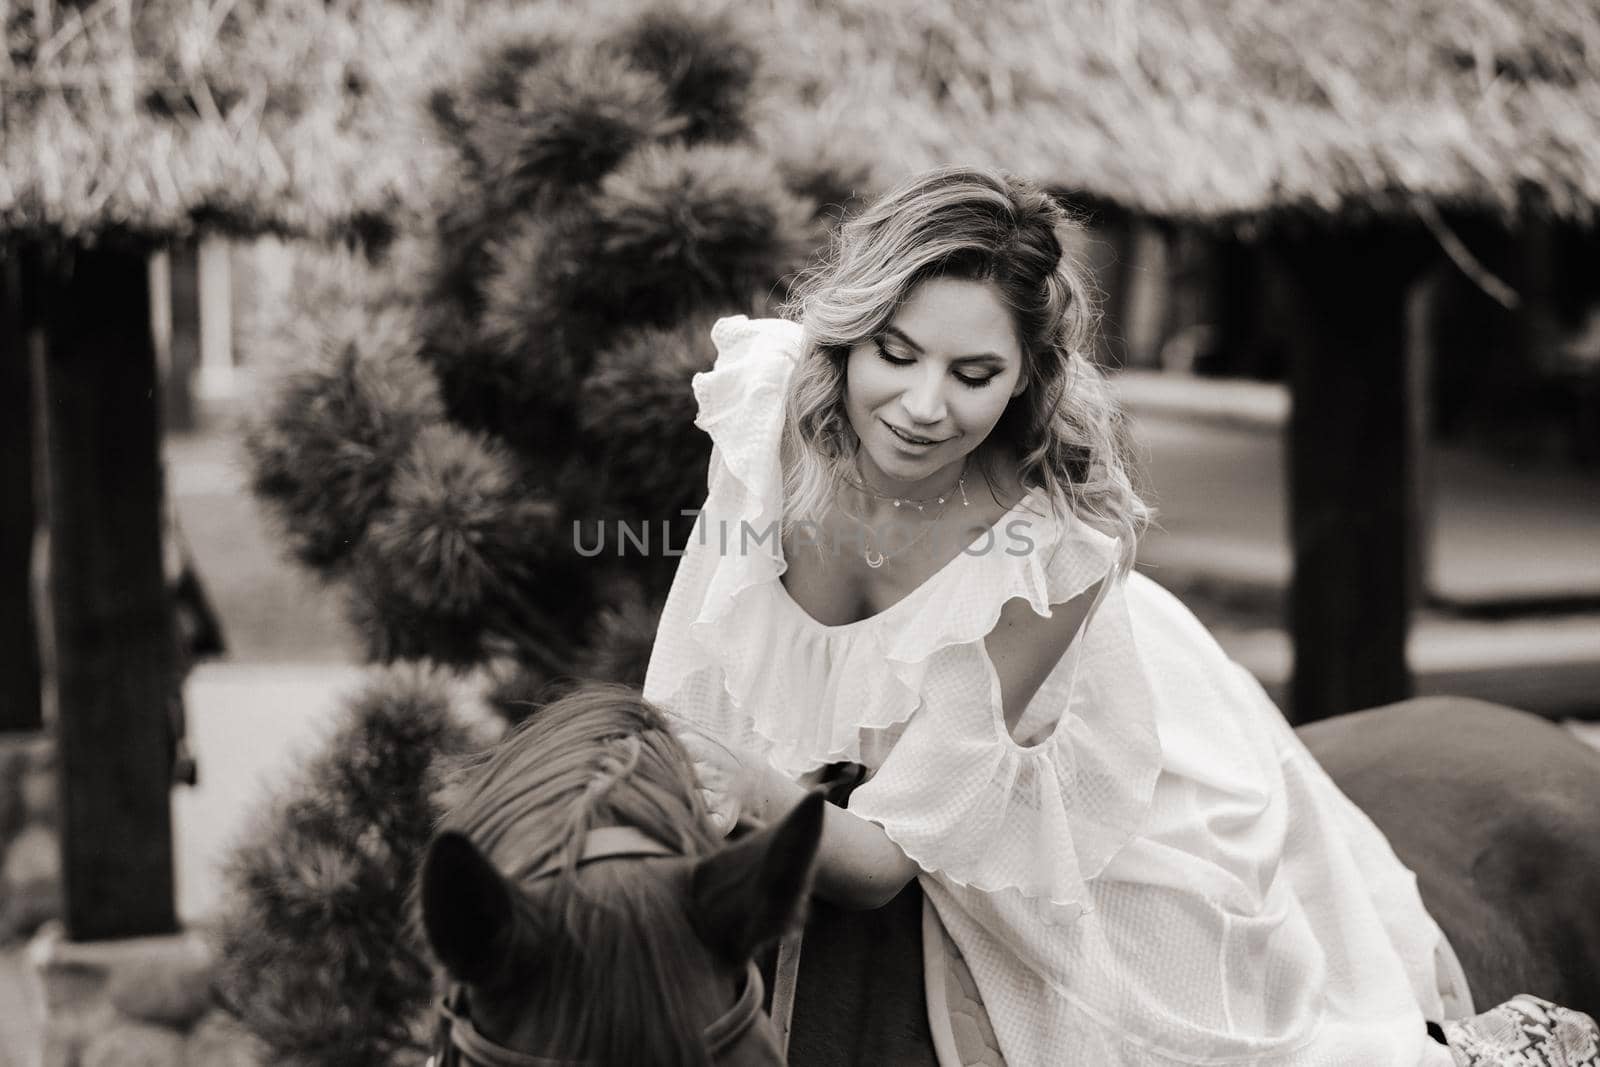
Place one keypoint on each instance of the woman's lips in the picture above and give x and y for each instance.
(912, 440)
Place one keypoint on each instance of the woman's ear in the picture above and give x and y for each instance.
(467, 910)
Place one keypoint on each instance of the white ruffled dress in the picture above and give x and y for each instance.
(1163, 875)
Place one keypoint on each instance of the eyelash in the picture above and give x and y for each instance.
(896, 361)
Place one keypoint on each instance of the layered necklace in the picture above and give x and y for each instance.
(874, 554)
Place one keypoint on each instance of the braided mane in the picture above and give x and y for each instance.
(606, 944)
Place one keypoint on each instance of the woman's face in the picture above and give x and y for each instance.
(927, 391)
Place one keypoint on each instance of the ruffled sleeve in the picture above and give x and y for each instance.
(741, 403)
(977, 809)
(734, 545)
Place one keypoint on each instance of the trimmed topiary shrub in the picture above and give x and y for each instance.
(523, 378)
(318, 957)
(465, 414)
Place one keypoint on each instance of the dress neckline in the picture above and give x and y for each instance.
(812, 621)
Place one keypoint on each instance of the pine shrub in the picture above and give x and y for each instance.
(318, 957)
(519, 376)
(707, 65)
(636, 418)
(337, 429)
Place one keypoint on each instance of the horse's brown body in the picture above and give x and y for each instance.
(1497, 812)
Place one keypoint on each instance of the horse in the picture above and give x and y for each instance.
(1493, 809)
(584, 911)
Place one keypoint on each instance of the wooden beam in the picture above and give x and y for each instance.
(111, 652)
(1351, 450)
(20, 707)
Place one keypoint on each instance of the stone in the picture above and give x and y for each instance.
(75, 973)
(220, 1040)
(71, 987)
(170, 989)
(66, 1036)
(25, 908)
(133, 1044)
(30, 882)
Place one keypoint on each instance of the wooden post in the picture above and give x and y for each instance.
(182, 333)
(215, 303)
(20, 708)
(1188, 338)
(1245, 341)
(112, 645)
(1422, 301)
(1350, 455)
(1144, 300)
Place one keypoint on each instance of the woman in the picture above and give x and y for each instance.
(915, 556)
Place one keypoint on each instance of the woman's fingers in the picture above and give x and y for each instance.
(719, 773)
(723, 809)
(705, 750)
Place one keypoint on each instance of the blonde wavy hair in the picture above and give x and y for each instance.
(975, 225)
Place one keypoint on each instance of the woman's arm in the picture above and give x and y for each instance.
(858, 865)
(1025, 647)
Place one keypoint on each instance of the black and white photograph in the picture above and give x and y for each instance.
(840, 533)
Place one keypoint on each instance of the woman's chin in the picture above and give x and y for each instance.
(907, 463)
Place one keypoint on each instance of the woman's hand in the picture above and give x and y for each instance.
(858, 865)
(737, 785)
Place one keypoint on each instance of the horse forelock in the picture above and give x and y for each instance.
(623, 961)
(608, 944)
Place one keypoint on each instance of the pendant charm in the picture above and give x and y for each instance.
(874, 559)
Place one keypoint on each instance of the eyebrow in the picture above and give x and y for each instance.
(976, 357)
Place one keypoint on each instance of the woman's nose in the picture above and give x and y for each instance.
(924, 401)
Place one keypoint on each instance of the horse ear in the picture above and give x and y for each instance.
(467, 909)
(756, 888)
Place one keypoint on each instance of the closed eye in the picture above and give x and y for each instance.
(904, 361)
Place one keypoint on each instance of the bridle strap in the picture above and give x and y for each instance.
(729, 1028)
(785, 980)
(608, 843)
(462, 1037)
(724, 1033)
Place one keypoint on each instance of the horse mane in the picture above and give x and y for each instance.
(601, 945)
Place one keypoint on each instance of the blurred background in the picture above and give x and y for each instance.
(324, 323)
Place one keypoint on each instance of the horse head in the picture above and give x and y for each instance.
(584, 911)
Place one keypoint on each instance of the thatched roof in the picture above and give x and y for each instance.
(304, 116)
(1218, 109)
(256, 115)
